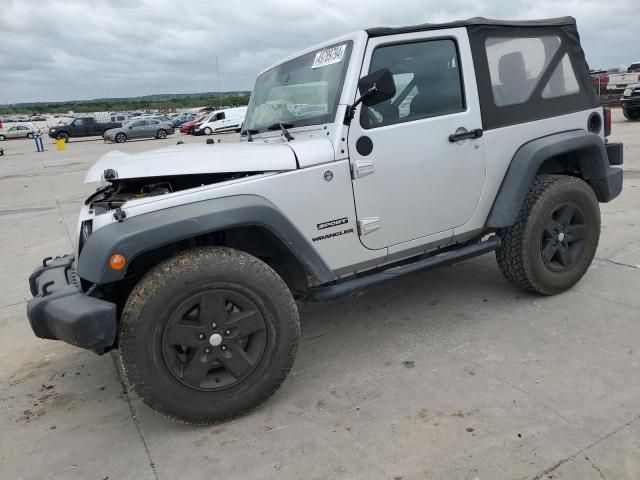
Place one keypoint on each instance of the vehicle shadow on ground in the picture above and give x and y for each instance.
(70, 380)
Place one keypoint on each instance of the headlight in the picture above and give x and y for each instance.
(52, 130)
(628, 92)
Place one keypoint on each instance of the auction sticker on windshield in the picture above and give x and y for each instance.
(329, 56)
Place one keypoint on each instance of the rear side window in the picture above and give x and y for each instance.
(427, 78)
(527, 73)
(563, 80)
(516, 65)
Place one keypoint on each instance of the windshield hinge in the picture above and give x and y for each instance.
(349, 114)
(119, 214)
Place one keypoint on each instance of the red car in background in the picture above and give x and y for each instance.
(189, 126)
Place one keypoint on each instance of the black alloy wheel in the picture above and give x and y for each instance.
(214, 339)
(562, 239)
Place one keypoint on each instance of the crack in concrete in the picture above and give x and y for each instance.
(602, 297)
(607, 260)
(55, 197)
(134, 418)
(571, 458)
(537, 400)
(596, 468)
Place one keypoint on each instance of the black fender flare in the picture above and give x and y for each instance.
(141, 233)
(593, 162)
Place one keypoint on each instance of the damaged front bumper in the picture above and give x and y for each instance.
(59, 310)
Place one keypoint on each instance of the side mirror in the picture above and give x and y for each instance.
(377, 87)
(374, 88)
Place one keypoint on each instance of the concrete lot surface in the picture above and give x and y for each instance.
(449, 374)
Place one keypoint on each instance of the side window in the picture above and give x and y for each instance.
(563, 80)
(428, 82)
(78, 122)
(139, 123)
(516, 64)
(219, 116)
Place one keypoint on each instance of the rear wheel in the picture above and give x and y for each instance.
(121, 138)
(555, 237)
(208, 335)
(161, 134)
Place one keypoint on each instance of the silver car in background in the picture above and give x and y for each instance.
(143, 128)
(18, 131)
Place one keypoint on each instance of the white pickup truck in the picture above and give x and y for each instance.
(619, 81)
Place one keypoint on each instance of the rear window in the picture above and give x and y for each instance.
(634, 67)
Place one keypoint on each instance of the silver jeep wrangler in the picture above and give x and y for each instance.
(368, 157)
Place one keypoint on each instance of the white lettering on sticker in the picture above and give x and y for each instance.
(329, 56)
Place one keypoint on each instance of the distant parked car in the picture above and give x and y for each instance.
(19, 131)
(189, 126)
(183, 118)
(619, 81)
(600, 80)
(81, 127)
(145, 128)
(220, 121)
(630, 102)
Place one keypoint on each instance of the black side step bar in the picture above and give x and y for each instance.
(359, 283)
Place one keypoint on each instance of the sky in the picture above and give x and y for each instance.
(58, 50)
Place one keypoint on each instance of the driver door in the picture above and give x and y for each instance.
(80, 127)
(137, 129)
(411, 182)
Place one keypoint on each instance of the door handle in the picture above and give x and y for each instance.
(456, 137)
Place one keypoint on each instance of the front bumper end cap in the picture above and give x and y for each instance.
(60, 311)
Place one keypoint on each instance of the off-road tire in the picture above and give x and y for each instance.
(162, 291)
(520, 256)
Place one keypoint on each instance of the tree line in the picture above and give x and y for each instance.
(109, 105)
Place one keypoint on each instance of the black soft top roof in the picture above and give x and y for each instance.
(476, 21)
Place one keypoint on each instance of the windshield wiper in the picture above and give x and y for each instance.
(248, 133)
(283, 127)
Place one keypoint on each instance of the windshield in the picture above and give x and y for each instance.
(302, 91)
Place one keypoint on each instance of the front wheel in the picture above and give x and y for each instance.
(121, 138)
(2, 138)
(207, 131)
(629, 115)
(30, 135)
(208, 335)
(555, 237)
(161, 134)
(63, 136)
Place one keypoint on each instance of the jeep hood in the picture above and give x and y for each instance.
(196, 159)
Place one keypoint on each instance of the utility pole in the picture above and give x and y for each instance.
(219, 91)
